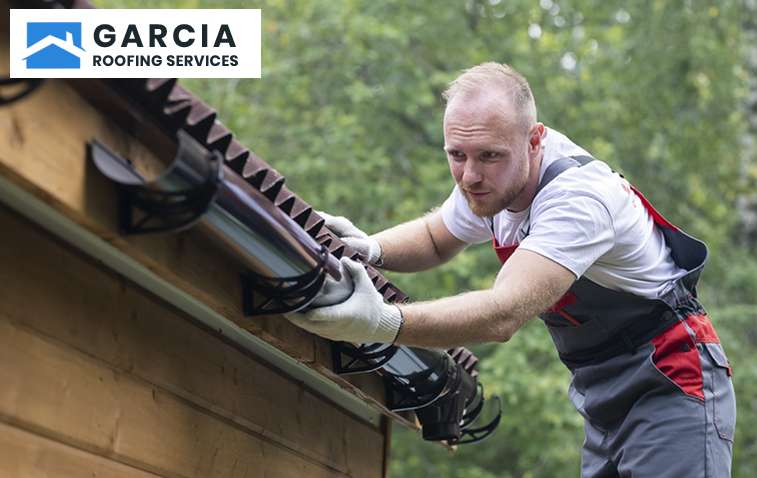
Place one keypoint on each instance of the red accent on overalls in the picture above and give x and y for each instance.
(658, 218)
(504, 253)
(677, 357)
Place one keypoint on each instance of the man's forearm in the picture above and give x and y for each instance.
(526, 285)
(469, 318)
(408, 247)
(418, 245)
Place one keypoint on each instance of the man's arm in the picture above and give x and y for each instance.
(419, 244)
(526, 285)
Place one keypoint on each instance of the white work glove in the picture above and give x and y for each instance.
(363, 317)
(333, 291)
(367, 247)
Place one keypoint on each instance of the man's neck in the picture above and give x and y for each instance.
(524, 199)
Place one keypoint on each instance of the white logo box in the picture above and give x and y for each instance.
(242, 60)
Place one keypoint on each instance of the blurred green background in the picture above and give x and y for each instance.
(349, 109)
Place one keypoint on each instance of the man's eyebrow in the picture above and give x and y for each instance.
(496, 149)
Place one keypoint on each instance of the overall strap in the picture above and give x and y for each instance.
(555, 169)
(560, 166)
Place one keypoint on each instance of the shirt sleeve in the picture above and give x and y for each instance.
(461, 222)
(572, 229)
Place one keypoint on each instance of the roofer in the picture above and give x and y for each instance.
(611, 278)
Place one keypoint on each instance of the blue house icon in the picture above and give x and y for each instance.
(53, 45)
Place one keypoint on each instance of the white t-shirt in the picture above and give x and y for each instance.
(587, 219)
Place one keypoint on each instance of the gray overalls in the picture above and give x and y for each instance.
(650, 377)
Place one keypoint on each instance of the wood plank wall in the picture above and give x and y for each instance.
(101, 378)
(43, 150)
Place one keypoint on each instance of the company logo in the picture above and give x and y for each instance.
(53, 45)
(138, 43)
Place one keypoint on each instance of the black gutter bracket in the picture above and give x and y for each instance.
(476, 434)
(442, 389)
(192, 185)
(352, 359)
(281, 295)
(175, 200)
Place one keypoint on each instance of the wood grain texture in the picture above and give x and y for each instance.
(100, 315)
(42, 150)
(56, 392)
(27, 455)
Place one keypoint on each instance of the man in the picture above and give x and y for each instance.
(612, 279)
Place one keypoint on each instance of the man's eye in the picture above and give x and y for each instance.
(456, 154)
(489, 155)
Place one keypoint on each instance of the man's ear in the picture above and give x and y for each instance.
(535, 137)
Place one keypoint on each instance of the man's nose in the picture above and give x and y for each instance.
(471, 175)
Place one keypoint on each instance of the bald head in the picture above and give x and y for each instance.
(504, 89)
(485, 107)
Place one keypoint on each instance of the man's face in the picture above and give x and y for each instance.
(487, 150)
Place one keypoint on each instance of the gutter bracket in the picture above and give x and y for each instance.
(351, 359)
(174, 201)
(475, 435)
(281, 295)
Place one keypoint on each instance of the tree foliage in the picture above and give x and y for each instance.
(349, 109)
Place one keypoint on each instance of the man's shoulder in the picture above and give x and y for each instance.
(595, 180)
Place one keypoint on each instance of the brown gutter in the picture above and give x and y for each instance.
(172, 107)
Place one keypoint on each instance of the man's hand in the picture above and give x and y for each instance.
(367, 247)
(363, 317)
